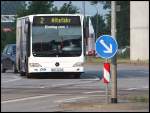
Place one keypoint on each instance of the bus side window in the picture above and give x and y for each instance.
(28, 40)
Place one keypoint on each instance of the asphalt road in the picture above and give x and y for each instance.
(49, 93)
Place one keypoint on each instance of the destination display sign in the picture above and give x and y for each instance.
(56, 20)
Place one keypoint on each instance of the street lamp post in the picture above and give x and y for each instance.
(114, 59)
(96, 31)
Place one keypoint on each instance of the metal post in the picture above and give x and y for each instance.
(83, 8)
(113, 60)
(107, 96)
(97, 24)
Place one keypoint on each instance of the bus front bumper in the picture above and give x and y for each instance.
(42, 70)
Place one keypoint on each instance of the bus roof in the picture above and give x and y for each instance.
(51, 15)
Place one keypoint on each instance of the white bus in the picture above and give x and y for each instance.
(48, 43)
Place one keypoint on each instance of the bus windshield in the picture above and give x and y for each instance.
(61, 38)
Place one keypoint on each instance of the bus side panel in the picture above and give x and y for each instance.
(18, 36)
(21, 54)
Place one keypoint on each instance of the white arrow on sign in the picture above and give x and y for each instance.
(109, 49)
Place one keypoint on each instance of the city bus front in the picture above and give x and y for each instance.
(57, 44)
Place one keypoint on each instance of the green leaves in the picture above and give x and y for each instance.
(122, 21)
(98, 24)
(46, 7)
(68, 9)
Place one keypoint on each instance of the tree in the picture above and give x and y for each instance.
(122, 21)
(68, 8)
(97, 20)
(37, 7)
(108, 23)
(40, 7)
(22, 11)
(7, 38)
(45, 7)
(98, 25)
(106, 4)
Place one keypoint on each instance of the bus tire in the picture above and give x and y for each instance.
(14, 68)
(3, 70)
(29, 75)
(22, 73)
(77, 76)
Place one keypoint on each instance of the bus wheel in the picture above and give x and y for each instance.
(76, 76)
(2, 68)
(14, 68)
(22, 73)
(29, 75)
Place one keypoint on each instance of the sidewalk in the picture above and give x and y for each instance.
(136, 101)
(99, 107)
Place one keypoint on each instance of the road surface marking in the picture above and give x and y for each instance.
(94, 79)
(145, 87)
(144, 72)
(76, 98)
(11, 80)
(58, 85)
(29, 98)
(70, 99)
(93, 92)
(15, 78)
(131, 88)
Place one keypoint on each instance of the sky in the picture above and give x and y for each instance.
(89, 9)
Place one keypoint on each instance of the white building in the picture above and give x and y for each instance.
(139, 30)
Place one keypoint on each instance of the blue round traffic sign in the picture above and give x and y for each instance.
(106, 46)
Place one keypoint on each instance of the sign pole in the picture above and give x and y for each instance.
(113, 61)
(107, 96)
(106, 47)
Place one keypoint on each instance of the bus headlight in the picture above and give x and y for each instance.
(34, 65)
(78, 64)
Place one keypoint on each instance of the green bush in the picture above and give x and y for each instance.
(7, 38)
(126, 54)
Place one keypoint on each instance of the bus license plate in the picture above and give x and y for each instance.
(57, 70)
